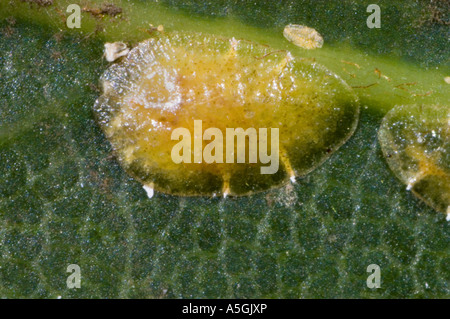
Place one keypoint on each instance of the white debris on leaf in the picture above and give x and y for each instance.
(150, 191)
(292, 178)
(448, 214)
(303, 36)
(410, 185)
(159, 28)
(234, 43)
(115, 50)
(289, 57)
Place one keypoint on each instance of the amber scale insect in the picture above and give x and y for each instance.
(196, 114)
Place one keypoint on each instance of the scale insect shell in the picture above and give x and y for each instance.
(174, 80)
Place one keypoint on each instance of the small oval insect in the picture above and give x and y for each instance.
(415, 140)
(303, 36)
(195, 114)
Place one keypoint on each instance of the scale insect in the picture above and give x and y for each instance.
(415, 140)
(173, 81)
(303, 36)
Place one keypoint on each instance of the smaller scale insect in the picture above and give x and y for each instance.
(196, 114)
(303, 36)
(415, 140)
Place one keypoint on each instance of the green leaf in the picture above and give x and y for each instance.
(65, 200)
